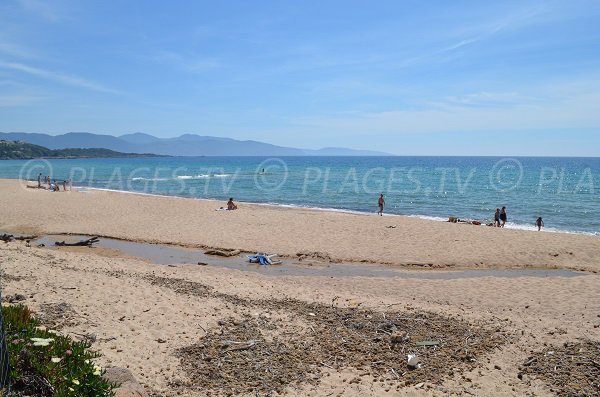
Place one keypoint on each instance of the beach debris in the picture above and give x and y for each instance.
(222, 252)
(263, 259)
(161, 340)
(413, 361)
(305, 340)
(232, 346)
(15, 298)
(426, 343)
(391, 226)
(10, 237)
(573, 368)
(302, 255)
(82, 243)
(399, 337)
(202, 264)
(57, 315)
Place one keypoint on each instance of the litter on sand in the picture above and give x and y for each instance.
(263, 259)
(428, 343)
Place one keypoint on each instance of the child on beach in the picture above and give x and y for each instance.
(539, 223)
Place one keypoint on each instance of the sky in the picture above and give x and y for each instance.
(407, 77)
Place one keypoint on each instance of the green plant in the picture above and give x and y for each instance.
(45, 363)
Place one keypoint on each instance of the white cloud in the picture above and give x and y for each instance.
(575, 108)
(61, 78)
(18, 100)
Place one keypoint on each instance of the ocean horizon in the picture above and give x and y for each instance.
(565, 191)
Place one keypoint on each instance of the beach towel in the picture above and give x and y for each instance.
(263, 259)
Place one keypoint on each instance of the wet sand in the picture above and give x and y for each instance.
(322, 332)
(338, 237)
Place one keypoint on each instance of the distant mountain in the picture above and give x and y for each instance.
(338, 151)
(184, 145)
(139, 138)
(19, 150)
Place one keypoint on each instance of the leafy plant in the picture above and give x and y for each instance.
(44, 363)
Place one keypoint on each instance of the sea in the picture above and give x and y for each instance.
(564, 191)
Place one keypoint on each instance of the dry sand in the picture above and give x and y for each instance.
(143, 314)
(341, 236)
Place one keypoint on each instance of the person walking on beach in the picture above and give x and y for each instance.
(539, 223)
(503, 216)
(40, 180)
(497, 218)
(381, 204)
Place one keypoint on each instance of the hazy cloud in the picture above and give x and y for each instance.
(61, 78)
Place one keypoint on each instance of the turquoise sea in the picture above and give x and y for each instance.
(564, 191)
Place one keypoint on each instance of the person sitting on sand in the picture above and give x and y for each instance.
(539, 223)
(231, 205)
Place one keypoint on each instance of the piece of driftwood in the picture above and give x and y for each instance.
(222, 252)
(9, 237)
(82, 243)
(25, 238)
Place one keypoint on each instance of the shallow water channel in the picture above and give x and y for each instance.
(164, 254)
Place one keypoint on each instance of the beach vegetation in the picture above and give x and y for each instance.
(45, 363)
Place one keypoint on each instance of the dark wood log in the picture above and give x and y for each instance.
(82, 243)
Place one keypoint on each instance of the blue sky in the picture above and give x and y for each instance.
(406, 77)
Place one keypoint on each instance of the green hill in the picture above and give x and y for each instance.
(18, 150)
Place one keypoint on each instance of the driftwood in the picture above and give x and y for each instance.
(82, 243)
(25, 238)
(9, 237)
(222, 252)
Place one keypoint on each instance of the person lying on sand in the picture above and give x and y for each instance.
(231, 205)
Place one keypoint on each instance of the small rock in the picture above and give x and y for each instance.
(128, 386)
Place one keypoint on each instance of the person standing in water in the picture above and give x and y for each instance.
(497, 218)
(539, 223)
(503, 216)
(381, 204)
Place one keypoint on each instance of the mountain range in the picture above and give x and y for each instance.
(184, 145)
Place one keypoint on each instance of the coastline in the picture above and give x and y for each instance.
(144, 315)
(285, 230)
(509, 226)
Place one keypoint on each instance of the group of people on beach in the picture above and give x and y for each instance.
(53, 186)
(500, 216)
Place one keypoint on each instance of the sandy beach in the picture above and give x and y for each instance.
(394, 240)
(194, 330)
